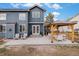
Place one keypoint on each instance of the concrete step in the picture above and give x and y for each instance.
(32, 36)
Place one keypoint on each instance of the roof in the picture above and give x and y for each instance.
(13, 10)
(73, 17)
(62, 23)
(37, 7)
(21, 10)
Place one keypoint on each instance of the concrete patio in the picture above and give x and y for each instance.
(36, 41)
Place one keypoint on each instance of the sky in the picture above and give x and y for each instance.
(61, 11)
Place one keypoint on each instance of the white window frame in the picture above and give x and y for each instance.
(22, 16)
(36, 14)
(2, 16)
(36, 33)
(22, 27)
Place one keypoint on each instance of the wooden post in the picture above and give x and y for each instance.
(72, 32)
(53, 27)
(57, 30)
(52, 33)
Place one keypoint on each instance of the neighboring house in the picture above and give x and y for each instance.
(19, 21)
(75, 19)
(72, 19)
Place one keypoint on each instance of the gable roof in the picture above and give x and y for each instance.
(37, 7)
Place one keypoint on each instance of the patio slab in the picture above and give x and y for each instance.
(36, 41)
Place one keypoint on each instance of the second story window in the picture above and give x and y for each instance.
(2, 16)
(35, 14)
(22, 16)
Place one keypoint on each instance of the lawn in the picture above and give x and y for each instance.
(40, 50)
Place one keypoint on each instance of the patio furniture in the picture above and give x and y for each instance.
(25, 36)
(60, 37)
(16, 36)
(21, 36)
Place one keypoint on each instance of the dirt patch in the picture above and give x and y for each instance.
(41, 50)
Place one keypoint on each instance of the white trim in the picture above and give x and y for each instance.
(3, 16)
(22, 16)
(36, 14)
(36, 22)
(35, 30)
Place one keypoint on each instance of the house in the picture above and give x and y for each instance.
(76, 19)
(21, 21)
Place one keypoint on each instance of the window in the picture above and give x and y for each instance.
(2, 28)
(33, 29)
(22, 28)
(22, 16)
(38, 29)
(35, 14)
(2, 16)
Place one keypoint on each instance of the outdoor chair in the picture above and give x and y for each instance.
(16, 36)
(24, 36)
(60, 37)
(64, 37)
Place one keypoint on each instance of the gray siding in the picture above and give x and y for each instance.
(13, 17)
(2, 35)
(10, 30)
(41, 19)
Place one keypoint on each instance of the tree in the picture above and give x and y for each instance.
(49, 18)
(68, 19)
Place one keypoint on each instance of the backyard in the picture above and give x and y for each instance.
(40, 50)
(38, 46)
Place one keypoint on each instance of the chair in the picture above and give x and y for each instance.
(60, 37)
(16, 36)
(25, 36)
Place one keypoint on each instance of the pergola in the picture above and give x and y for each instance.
(55, 25)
